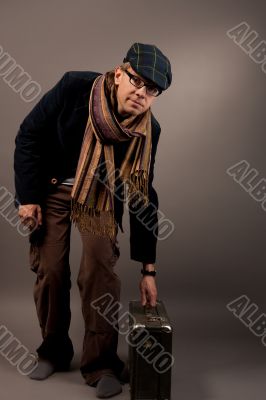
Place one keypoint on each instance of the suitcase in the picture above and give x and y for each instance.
(149, 352)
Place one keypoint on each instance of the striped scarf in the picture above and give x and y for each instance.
(92, 196)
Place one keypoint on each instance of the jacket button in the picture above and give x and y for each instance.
(53, 181)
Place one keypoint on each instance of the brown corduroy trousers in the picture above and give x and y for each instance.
(49, 259)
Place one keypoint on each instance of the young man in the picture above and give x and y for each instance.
(87, 139)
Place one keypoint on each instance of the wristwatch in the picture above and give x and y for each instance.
(146, 272)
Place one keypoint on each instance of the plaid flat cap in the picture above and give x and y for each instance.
(149, 62)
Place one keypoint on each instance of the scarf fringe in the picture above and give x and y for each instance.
(98, 222)
(138, 186)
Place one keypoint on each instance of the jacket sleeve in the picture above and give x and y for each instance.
(144, 223)
(28, 144)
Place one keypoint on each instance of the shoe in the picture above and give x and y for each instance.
(43, 369)
(108, 386)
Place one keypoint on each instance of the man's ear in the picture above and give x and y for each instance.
(118, 75)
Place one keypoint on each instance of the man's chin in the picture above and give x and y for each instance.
(131, 111)
(134, 111)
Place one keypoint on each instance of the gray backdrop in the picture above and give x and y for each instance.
(212, 117)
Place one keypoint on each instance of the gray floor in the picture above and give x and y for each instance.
(216, 357)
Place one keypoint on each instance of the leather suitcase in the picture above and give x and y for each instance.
(149, 352)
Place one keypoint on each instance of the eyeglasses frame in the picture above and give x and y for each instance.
(144, 84)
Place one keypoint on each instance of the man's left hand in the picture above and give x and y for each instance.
(148, 289)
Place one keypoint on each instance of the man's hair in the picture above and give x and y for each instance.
(124, 66)
(110, 74)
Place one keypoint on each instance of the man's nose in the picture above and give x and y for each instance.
(141, 92)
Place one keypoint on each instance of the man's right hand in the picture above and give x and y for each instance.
(30, 215)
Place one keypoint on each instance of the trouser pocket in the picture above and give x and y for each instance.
(35, 240)
(34, 257)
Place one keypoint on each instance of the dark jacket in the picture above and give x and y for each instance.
(47, 150)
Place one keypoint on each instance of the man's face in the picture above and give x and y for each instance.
(130, 99)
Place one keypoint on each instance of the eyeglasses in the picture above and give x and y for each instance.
(136, 81)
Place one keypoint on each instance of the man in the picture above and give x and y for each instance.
(87, 139)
